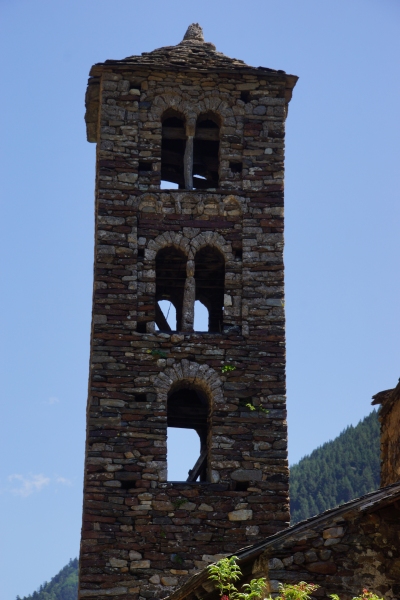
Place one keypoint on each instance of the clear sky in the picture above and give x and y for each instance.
(342, 229)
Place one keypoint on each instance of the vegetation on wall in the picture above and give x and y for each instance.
(336, 472)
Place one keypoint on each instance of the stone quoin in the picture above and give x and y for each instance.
(211, 128)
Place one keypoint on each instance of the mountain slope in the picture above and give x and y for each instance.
(340, 470)
(63, 586)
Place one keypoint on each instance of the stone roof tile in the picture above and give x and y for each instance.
(192, 53)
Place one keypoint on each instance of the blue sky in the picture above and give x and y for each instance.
(342, 222)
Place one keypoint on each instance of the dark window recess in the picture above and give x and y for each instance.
(127, 485)
(210, 277)
(236, 167)
(140, 398)
(241, 486)
(187, 408)
(145, 166)
(245, 96)
(141, 327)
(140, 253)
(206, 153)
(173, 146)
(239, 254)
(170, 284)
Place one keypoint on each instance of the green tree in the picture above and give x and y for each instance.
(338, 471)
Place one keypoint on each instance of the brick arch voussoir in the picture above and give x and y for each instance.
(214, 239)
(162, 103)
(204, 376)
(169, 238)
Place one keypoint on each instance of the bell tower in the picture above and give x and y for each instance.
(188, 210)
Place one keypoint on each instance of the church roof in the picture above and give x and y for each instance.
(365, 504)
(192, 53)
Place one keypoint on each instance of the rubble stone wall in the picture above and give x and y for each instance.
(390, 440)
(142, 535)
(342, 558)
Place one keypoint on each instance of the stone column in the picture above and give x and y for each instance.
(188, 158)
(188, 163)
(189, 295)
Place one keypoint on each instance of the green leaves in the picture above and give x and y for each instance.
(366, 595)
(252, 590)
(227, 368)
(299, 591)
(224, 573)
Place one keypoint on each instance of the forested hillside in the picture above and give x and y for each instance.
(337, 471)
(64, 586)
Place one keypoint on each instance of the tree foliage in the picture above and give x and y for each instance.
(336, 472)
(64, 586)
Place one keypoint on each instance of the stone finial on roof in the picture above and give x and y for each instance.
(194, 37)
(194, 32)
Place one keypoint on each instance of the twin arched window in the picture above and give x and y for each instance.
(190, 154)
(183, 288)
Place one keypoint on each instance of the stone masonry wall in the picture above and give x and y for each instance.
(354, 553)
(142, 535)
(390, 438)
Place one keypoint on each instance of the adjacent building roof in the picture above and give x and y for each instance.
(386, 399)
(368, 503)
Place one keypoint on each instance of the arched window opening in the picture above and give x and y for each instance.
(168, 318)
(187, 409)
(183, 449)
(173, 150)
(170, 285)
(210, 277)
(201, 317)
(206, 153)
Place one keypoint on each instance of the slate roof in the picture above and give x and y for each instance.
(192, 54)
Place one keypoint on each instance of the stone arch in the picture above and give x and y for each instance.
(172, 101)
(211, 238)
(168, 254)
(168, 238)
(206, 150)
(190, 110)
(189, 391)
(204, 376)
(231, 302)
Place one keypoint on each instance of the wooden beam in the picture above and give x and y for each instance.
(211, 135)
(176, 133)
(161, 321)
(195, 472)
(173, 133)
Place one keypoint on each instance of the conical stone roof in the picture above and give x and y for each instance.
(192, 53)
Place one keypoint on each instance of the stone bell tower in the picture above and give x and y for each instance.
(189, 208)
